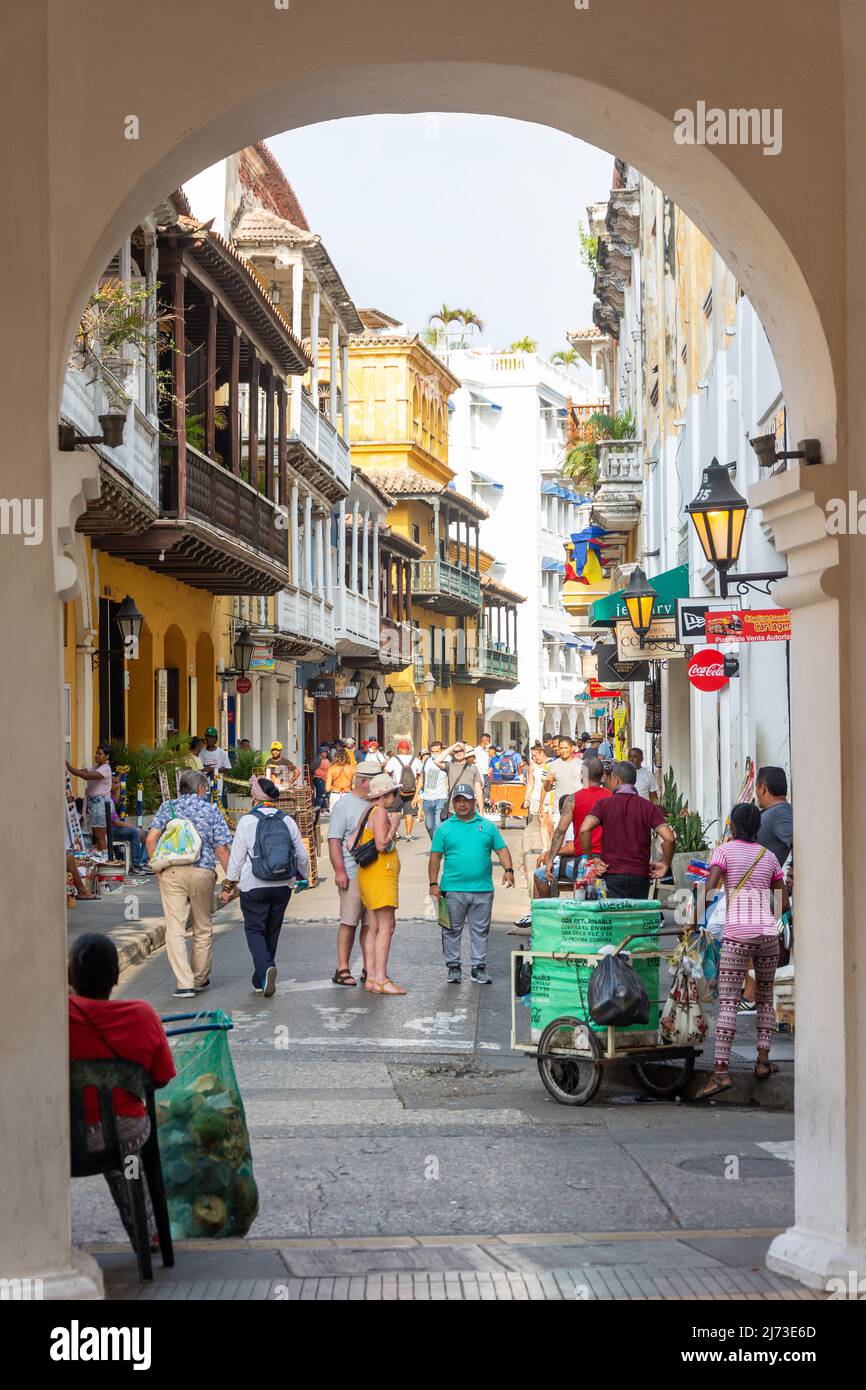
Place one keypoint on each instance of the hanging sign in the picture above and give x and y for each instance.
(707, 669)
(610, 668)
(323, 689)
(263, 659)
(243, 685)
(692, 616)
(601, 692)
(751, 625)
(628, 647)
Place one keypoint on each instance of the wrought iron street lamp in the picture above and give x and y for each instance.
(718, 514)
(129, 620)
(639, 598)
(244, 647)
(389, 697)
(429, 683)
(373, 688)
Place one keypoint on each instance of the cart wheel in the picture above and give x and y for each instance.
(568, 1061)
(665, 1077)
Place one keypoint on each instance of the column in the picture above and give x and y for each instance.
(365, 555)
(296, 566)
(269, 432)
(376, 560)
(150, 263)
(477, 548)
(314, 352)
(344, 384)
(388, 578)
(253, 421)
(407, 590)
(328, 523)
(308, 542)
(320, 555)
(399, 613)
(282, 445)
(178, 381)
(297, 329)
(234, 408)
(341, 544)
(333, 370)
(355, 524)
(210, 378)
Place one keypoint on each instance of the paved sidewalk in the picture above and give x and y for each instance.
(702, 1265)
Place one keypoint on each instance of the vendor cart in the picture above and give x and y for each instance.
(506, 800)
(572, 1055)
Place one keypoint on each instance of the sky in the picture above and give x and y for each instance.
(479, 211)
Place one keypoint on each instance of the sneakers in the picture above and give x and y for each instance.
(480, 975)
(455, 975)
(206, 985)
(525, 921)
(270, 983)
(747, 1006)
(184, 993)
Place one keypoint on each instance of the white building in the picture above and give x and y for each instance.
(507, 442)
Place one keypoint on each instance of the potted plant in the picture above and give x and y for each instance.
(689, 831)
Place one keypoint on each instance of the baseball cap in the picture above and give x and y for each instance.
(373, 743)
(368, 768)
(348, 740)
(211, 733)
(464, 789)
(403, 746)
(276, 744)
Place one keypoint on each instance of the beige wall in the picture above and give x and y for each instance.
(790, 227)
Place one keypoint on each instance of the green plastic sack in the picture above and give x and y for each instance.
(204, 1143)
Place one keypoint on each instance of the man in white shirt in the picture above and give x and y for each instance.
(434, 788)
(482, 762)
(646, 784)
(405, 768)
(213, 758)
(564, 772)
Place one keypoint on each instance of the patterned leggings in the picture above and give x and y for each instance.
(733, 964)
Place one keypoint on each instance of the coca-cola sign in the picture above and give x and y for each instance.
(707, 669)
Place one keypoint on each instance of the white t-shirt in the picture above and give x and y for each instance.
(214, 757)
(482, 759)
(343, 825)
(395, 765)
(373, 755)
(240, 861)
(435, 784)
(645, 782)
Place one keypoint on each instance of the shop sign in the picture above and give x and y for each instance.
(322, 689)
(601, 692)
(707, 669)
(692, 617)
(611, 668)
(243, 685)
(348, 692)
(263, 659)
(751, 625)
(659, 643)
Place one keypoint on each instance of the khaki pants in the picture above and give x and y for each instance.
(187, 891)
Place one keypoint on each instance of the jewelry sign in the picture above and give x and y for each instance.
(660, 642)
(750, 625)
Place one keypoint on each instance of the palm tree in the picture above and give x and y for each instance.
(524, 345)
(569, 357)
(445, 316)
(469, 319)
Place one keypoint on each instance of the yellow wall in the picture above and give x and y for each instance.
(183, 627)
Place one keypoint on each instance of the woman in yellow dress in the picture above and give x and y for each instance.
(378, 882)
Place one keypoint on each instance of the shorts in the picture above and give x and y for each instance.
(563, 867)
(96, 812)
(407, 805)
(352, 911)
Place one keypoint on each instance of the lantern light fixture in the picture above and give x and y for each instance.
(639, 598)
(129, 620)
(373, 689)
(389, 696)
(244, 647)
(718, 514)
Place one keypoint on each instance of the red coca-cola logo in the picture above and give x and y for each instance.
(707, 670)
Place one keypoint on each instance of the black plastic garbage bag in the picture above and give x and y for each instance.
(522, 976)
(616, 996)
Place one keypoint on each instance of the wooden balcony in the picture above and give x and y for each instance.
(439, 585)
(489, 666)
(214, 532)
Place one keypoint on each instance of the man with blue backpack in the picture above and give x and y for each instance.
(268, 859)
(506, 766)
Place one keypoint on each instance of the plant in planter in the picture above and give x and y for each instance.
(581, 461)
(143, 766)
(690, 833)
(119, 320)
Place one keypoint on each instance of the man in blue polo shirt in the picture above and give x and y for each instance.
(467, 843)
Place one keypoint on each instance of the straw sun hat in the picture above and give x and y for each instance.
(381, 784)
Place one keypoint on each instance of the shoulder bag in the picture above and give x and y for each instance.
(366, 854)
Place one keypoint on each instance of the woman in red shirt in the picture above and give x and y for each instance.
(102, 1028)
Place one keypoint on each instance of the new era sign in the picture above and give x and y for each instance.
(692, 617)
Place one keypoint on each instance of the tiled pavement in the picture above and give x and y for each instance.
(663, 1265)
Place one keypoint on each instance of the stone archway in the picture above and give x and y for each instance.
(606, 76)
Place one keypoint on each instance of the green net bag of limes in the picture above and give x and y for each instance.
(204, 1143)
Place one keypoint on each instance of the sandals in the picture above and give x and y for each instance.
(381, 987)
(713, 1086)
(344, 977)
(764, 1070)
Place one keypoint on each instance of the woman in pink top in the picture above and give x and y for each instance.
(98, 779)
(752, 877)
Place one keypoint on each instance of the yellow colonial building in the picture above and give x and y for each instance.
(399, 394)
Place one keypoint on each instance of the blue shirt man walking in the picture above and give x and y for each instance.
(465, 843)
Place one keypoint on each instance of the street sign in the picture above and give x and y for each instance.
(692, 617)
(751, 625)
(243, 685)
(707, 670)
(628, 645)
(601, 692)
(611, 668)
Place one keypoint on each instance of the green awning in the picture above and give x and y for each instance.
(670, 585)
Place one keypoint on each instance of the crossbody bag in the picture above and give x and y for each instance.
(366, 854)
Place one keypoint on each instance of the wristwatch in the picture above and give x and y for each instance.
(509, 871)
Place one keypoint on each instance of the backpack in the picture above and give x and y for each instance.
(179, 843)
(273, 857)
(407, 779)
(508, 765)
